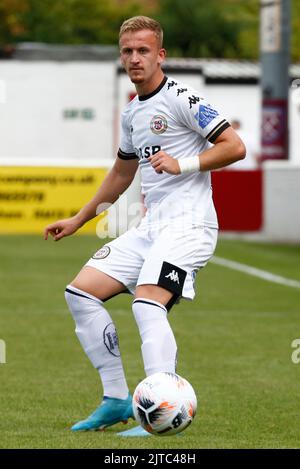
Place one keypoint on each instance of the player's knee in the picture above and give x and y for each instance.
(147, 310)
(155, 293)
(80, 303)
(73, 301)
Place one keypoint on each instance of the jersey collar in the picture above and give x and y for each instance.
(147, 96)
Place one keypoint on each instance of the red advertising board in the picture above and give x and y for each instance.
(238, 198)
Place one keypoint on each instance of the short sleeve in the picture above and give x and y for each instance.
(194, 112)
(126, 150)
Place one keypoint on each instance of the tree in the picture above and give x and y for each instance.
(76, 21)
(295, 39)
(193, 28)
(199, 29)
(247, 14)
(11, 23)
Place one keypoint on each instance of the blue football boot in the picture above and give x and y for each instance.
(110, 411)
(137, 431)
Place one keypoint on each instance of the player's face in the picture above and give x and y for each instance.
(141, 55)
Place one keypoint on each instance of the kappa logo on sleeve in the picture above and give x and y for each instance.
(181, 90)
(172, 83)
(205, 115)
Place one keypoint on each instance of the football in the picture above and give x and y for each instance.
(164, 404)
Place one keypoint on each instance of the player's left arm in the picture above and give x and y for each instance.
(194, 112)
(228, 148)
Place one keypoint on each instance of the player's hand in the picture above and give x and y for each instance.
(162, 162)
(61, 228)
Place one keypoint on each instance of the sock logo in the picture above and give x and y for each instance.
(173, 276)
(111, 340)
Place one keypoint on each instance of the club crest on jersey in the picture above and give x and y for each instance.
(102, 253)
(205, 115)
(158, 124)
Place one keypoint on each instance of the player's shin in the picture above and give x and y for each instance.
(159, 348)
(98, 337)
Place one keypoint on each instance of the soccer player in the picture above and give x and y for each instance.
(165, 132)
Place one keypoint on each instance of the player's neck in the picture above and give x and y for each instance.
(146, 88)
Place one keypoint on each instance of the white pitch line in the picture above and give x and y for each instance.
(264, 274)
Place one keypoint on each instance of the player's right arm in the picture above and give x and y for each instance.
(116, 182)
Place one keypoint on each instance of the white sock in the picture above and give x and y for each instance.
(98, 337)
(158, 342)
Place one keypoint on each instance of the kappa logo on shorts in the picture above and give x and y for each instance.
(158, 124)
(173, 276)
(102, 253)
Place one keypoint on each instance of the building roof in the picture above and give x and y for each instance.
(34, 51)
(223, 70)
(213, 70)
(220, 71)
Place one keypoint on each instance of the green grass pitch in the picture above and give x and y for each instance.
(234, 345)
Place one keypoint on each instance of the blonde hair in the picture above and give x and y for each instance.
(137, 23)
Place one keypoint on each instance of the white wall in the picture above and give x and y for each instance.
(294, 116)
(240, 102)
(244, 103)
(281, 201)
(32, 125)
(33, 129)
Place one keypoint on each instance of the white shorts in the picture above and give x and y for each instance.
(165, 257)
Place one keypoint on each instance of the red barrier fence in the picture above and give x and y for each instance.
(238, 198)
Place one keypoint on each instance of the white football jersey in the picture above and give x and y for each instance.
(178, 120)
